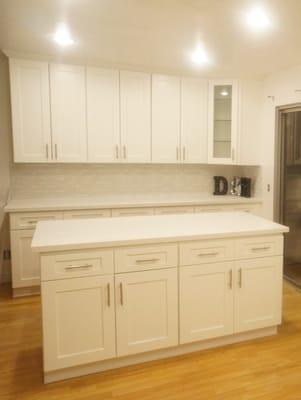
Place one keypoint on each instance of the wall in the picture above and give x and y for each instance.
(5, 135)
(42, 180)
(280, 89)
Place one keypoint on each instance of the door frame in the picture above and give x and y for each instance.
(279, 183)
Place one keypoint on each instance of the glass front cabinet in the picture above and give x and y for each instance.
(222, 122)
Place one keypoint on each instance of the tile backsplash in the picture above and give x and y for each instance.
(53, 180)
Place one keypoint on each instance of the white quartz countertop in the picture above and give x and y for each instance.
(108, 232)
(105, 201)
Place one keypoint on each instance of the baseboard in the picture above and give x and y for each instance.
(26, 291)
(87, 369)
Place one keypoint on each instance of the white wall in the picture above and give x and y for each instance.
(5, 137)
(283, 86)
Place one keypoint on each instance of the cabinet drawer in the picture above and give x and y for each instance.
(29, 220)
(206, 251)
(128, 212)
(259, 246)
(173, 210)
(143, 258)
(77, 264)
(78, 214)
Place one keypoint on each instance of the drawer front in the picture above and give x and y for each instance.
(29, 220)
(173, 210)
(76, 264)
(200, 209)
(259, 246)
(142, 258)
(206, 251)
(82, 214)
(128, 212)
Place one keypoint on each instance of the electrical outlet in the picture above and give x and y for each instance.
(6, 255)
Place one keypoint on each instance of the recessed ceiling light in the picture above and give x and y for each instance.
(224, 93)
(62, 36)
(257, 19)
(200, 56)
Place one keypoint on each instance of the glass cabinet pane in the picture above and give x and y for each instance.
(222, 121)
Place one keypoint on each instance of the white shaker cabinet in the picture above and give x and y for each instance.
(206, 301)
(135, 117)
(258, 293)
(68, 112)
(80, 323)
(223, 122)
(146, 310)
(165, 119)
(194, 99)
(103, 119)
(30, 110)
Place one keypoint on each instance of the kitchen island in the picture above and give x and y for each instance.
(126, 290)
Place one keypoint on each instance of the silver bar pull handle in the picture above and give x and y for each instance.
(32, 222)
(47, 152)
(240, 278)
(55, 151)
(121, 293)
(233, 154)
(117, 152)
(260, 248)
(83, 266)
(230, 279)
(124, 152)
(148, 260)
(177, 153)
(215, 253)
(109, 294)
(184, 153)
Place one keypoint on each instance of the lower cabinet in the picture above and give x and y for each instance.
(231, 297)
(25, 263)
(78, 321)
(146, 310)
(258, 293)
(206, 301)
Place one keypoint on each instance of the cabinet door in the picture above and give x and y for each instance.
(206, 301)
(78, 321)
(258, 293)
(165, 119)
(68, 113)
(146, 311)
(103, 115)
(194, 120)
(222, 122)
(135, 103)
(25, 263)
(29, 82)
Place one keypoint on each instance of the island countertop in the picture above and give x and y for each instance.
(63, 235)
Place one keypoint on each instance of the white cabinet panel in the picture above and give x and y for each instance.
(174, 210)
(78, 321)
(25, 263)
(206, 301)
(194, 98)
(84, 214)
(29, 220)
(29, 82)
(146, 311)
(132, 211)
(258, 294)
(165, 119)
(223, 121)
(135, 112)
(103, 114)
(68, 112)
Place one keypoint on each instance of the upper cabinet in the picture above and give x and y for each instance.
(135, 117)
(68, 112)
(165, 119)
(194, 100)
(30, 110)
(223, 122)
(103, 115)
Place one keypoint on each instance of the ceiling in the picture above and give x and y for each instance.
(157, 35)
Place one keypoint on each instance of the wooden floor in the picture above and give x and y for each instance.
(268, 369)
